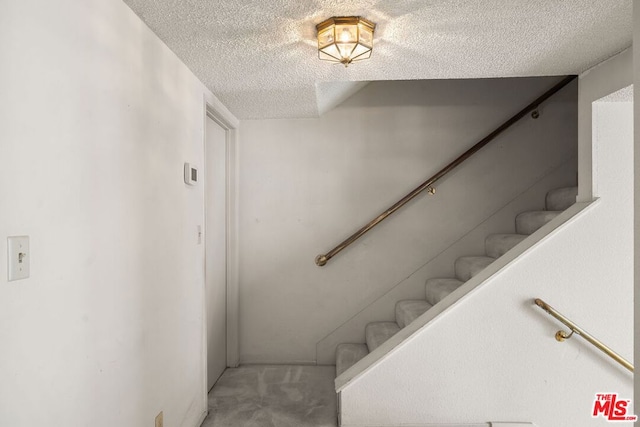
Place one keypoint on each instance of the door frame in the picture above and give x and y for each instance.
(215, 111)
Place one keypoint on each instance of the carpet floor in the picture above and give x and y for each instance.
(274, 396)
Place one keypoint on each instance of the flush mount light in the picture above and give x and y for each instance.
(345, 39)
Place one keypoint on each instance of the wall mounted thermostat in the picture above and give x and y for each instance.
(190, 174)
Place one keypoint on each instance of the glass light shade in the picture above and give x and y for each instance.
(345, 39)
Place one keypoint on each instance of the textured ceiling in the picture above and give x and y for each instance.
(259, 56)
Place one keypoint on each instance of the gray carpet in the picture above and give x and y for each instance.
(274, 396)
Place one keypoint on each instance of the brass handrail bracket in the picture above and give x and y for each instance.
(563, 336)
(575, 329)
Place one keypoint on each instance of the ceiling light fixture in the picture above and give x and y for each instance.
(345, 39)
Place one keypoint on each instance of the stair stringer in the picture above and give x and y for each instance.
(357, 396)
(451, 300)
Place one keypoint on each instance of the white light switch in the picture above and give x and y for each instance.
(19, 257)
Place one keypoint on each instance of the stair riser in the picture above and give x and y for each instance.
(377, 333)
(561, 199)
(348, 355)
(530, 222)
(467, 267)
(438, 288)
(409, 310)
(497, 245)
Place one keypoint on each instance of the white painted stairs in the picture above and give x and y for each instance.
(466, 267)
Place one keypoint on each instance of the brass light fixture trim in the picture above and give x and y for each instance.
(345, 39)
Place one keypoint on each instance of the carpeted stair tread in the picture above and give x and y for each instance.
(468, 266)
(529, 222)
(438, 288)
(348, 355)
(409, 310)
(497, 245)
(561, 198)
(377, 333)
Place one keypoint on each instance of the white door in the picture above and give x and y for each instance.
(216, 249)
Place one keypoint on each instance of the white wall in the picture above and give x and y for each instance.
(492, 356)
(636, 85)
(601, 80)
(306, 184)
(97, 119)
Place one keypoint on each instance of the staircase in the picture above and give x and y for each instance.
(436, 289)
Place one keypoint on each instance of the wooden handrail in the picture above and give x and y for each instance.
(428, 184)
(575, 329)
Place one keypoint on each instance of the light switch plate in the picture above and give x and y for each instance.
(19, 257)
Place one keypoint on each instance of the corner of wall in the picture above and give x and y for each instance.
(600, 80)
(329, 95)
(636, 82)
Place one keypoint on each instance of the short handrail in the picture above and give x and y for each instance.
(562, 335)
(428, 184)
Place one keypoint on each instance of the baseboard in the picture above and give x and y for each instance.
(430, 425)
(279, 362)
(510, 424)
(490, 424)
(202, 418)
